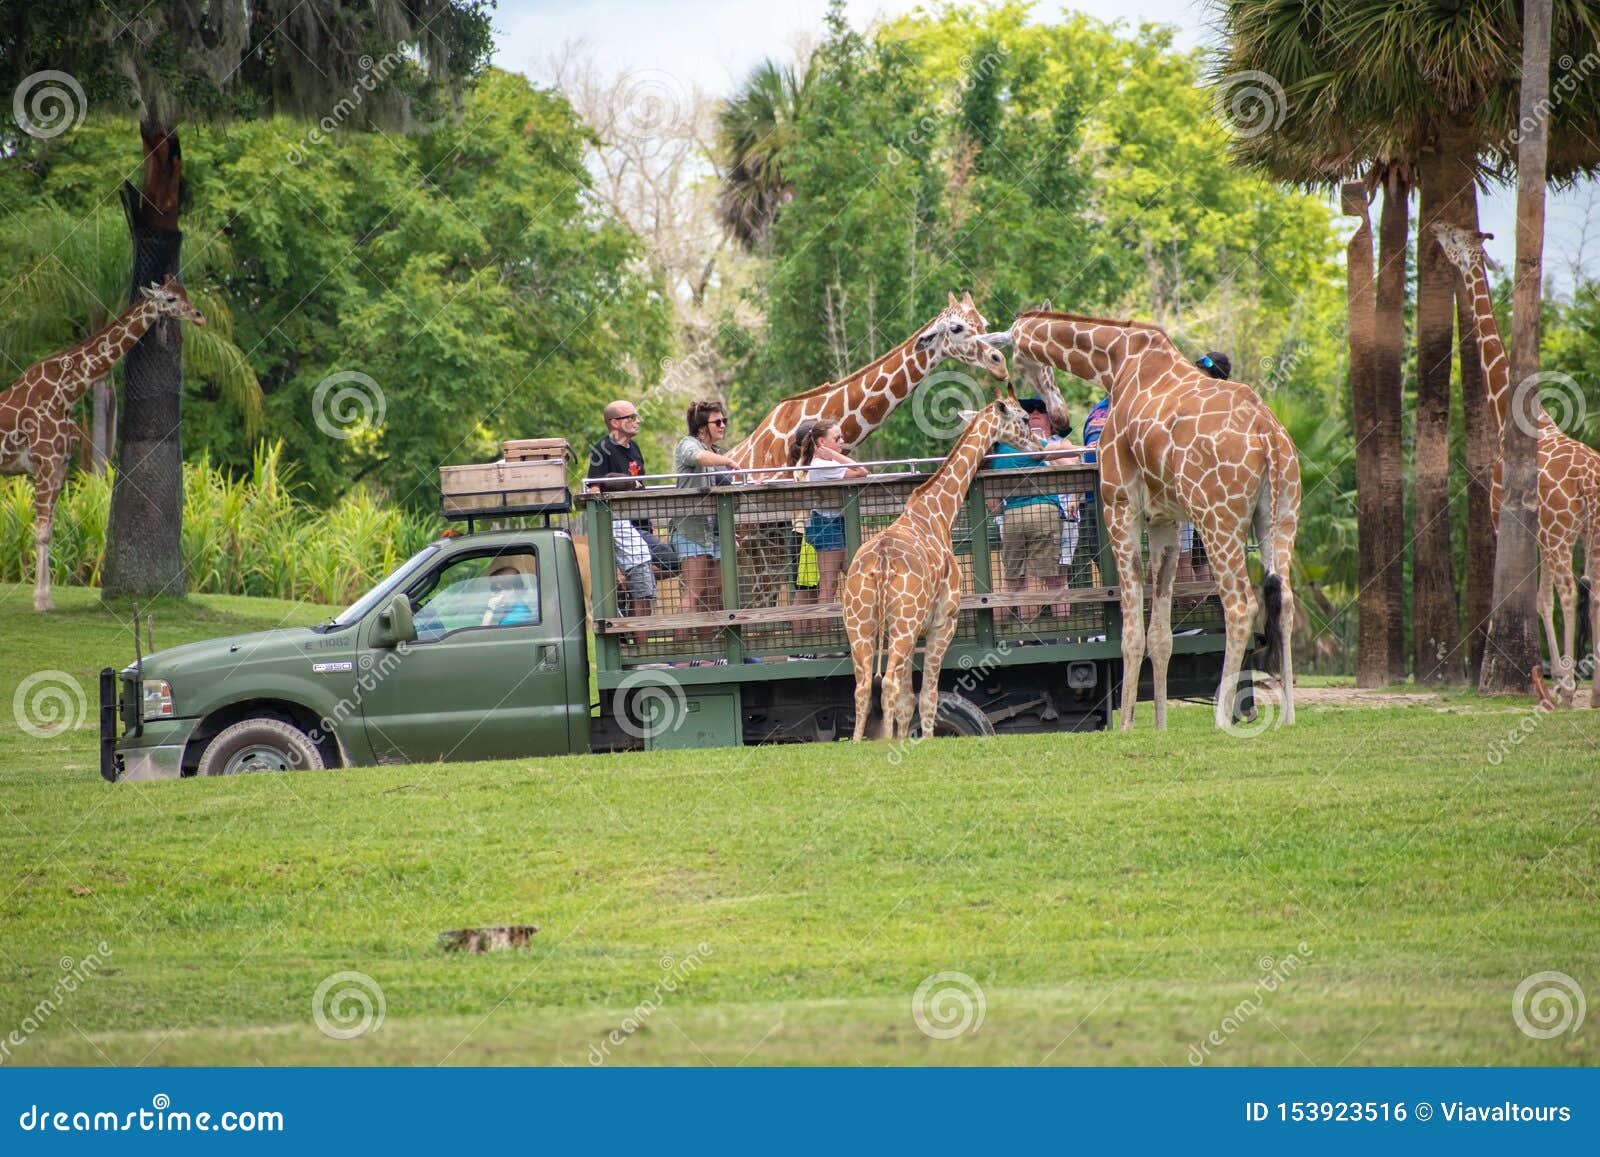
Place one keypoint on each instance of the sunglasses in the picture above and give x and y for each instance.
(717, 422)
(626, 418)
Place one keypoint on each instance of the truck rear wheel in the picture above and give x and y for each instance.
(957, 716)
(259, 745)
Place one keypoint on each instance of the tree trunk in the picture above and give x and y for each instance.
(1435, 613)
(103, 431)
(1481, 451)
(1389, 403)
(144, 538)
(1373, 613)
(1512, 647)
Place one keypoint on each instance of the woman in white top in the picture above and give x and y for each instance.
(818, 453)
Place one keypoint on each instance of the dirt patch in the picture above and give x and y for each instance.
(1390, 697)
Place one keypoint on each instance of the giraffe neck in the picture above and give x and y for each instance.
(94, 356)
(1491, 350)
(860, 403)
(1091, 348)
(937, 501)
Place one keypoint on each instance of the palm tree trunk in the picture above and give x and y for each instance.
(1388, 400)
(144, 540)
(1373, 614)
(1481, 451)
(1435, 614)
(1512, 646)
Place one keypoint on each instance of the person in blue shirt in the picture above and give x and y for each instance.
(1030, 526)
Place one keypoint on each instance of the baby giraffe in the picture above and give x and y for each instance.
(906, 581)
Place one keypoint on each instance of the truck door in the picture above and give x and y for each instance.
(483, 679)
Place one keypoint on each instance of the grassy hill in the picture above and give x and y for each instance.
(1368, 887)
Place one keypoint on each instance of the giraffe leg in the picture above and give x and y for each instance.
(1123, 529)
(940, 632)
(1163, 568)
(1591, 567)
(46, 489)
(861, 661)
(1238, 612)
(1566, 589)
(861, 629)
(1547, 615)
(896, 672)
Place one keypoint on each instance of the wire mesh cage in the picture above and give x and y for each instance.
(754, 571)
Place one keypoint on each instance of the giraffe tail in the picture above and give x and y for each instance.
(1277, 511)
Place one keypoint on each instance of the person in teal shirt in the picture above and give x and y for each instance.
(1030, 524)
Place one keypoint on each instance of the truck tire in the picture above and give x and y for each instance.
(259, 745)
(958, 716)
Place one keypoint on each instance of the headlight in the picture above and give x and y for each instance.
(157, 699)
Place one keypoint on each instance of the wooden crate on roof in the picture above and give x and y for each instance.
(531, 479)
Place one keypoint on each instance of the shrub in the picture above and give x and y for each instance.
(242, 536)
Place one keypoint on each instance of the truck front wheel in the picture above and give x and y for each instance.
(259, 745)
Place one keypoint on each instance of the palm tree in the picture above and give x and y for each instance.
(753, 129)
(1513, 643)
(1394, 92)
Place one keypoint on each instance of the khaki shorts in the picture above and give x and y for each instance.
(1030, 541)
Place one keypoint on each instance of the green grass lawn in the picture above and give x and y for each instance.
(1113, 898)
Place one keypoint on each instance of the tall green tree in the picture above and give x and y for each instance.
(1374, 90)
(347, 63)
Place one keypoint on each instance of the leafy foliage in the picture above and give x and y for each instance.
(251, 534)
(464, 270)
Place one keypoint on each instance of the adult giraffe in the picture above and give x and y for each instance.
(1569, 479)
(860, 404)
(907, 581)
(1181, 446)
(37, 432)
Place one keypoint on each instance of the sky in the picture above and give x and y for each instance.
(713, 44)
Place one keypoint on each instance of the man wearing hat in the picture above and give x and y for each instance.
(1030, 527)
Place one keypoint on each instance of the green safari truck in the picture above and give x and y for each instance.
(484, 646)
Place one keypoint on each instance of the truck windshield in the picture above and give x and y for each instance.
(382, 591)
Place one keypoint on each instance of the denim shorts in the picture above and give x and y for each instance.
(688, 548)
(825, 531)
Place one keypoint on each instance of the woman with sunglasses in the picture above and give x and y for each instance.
(695, 535)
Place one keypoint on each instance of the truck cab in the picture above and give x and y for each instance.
(474, 648)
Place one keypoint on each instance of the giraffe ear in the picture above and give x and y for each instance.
(926, 339)
(966, 416)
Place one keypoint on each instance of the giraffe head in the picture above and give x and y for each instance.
(171, 301)
(1460, 245)
(958, 332)
(1003, 420)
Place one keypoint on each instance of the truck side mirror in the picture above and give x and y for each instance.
(394, 624)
